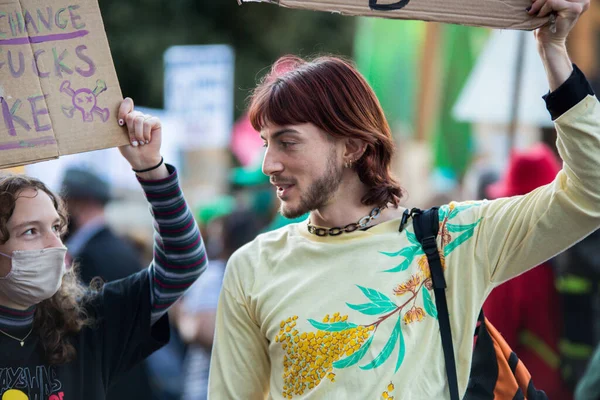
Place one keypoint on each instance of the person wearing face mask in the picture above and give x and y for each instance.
(60, 340)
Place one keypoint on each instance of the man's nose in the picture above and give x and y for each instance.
(271, 164)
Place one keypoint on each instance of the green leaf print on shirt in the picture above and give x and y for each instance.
(469, 230)
(402, 348)
(404, 252)
(380, 303)
(387, 349)
(332, 327)
(409, 253)
(428, 304)
(311, 357)
(461, 228)
(412, 238)
(372, 309)
(446, 213)
(454, 210)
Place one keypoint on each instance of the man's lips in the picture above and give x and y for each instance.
(281, 184)
(283, 188)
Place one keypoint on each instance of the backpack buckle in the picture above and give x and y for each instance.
(430, 246)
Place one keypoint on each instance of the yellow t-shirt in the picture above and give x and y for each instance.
(353, 316)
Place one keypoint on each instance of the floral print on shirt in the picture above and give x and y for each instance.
(337, 343)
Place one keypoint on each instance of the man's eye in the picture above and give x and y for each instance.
(29, 232)
(287, 144)
(56, 228)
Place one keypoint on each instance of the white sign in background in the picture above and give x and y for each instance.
(199, 88)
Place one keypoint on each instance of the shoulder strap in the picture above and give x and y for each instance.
(426, 227)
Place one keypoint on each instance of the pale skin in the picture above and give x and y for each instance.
(35, 223)
(297, 155)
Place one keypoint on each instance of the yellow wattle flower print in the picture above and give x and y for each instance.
(309, 356)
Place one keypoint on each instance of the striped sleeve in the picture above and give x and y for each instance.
(179, 254)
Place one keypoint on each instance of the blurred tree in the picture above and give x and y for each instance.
(139, 31)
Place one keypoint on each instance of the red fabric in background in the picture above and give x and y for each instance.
(530, 302)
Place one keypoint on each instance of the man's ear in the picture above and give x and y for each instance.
(354, 150)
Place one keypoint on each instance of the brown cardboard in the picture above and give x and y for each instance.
(59, 92)
(504, 14)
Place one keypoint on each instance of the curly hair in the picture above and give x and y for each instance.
(64, 314)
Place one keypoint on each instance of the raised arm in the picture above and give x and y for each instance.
(513, 235)
(179, 254)
(552, 39)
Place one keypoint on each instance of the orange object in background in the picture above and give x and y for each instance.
(14, 170)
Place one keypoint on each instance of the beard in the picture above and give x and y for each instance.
(319, 192)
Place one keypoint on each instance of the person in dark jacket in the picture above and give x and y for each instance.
(89, 236)
(100, 253)
(59, 339)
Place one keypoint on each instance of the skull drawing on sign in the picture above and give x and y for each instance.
(84, 100)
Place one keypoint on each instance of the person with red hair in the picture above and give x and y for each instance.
(340, 306)
(527, 309)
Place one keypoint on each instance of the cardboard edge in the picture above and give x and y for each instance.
(99, 147)
(27, 162)
(56, 146)
(526, 25)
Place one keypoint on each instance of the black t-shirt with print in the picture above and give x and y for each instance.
(121, 338)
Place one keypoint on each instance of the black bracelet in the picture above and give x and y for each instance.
(139, 171)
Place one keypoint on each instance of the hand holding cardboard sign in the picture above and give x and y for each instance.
(552, 39)
(567, 13)
(145, 137)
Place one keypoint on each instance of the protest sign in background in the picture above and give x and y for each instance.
(59, 92)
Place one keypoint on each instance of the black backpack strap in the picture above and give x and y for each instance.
(426, 227)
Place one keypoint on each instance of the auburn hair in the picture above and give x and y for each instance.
(64, 314)
(331, 94)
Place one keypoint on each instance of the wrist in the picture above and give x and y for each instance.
(553, 50)
(151, 169)
(154, 175)
(145, 163)
(556, 62)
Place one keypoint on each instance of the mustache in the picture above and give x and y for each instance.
(282, 181)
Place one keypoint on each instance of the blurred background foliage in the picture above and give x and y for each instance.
(139, 32)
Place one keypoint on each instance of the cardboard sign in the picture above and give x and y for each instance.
(504, 14)
(59, 92)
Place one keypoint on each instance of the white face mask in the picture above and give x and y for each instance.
(36, 275)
